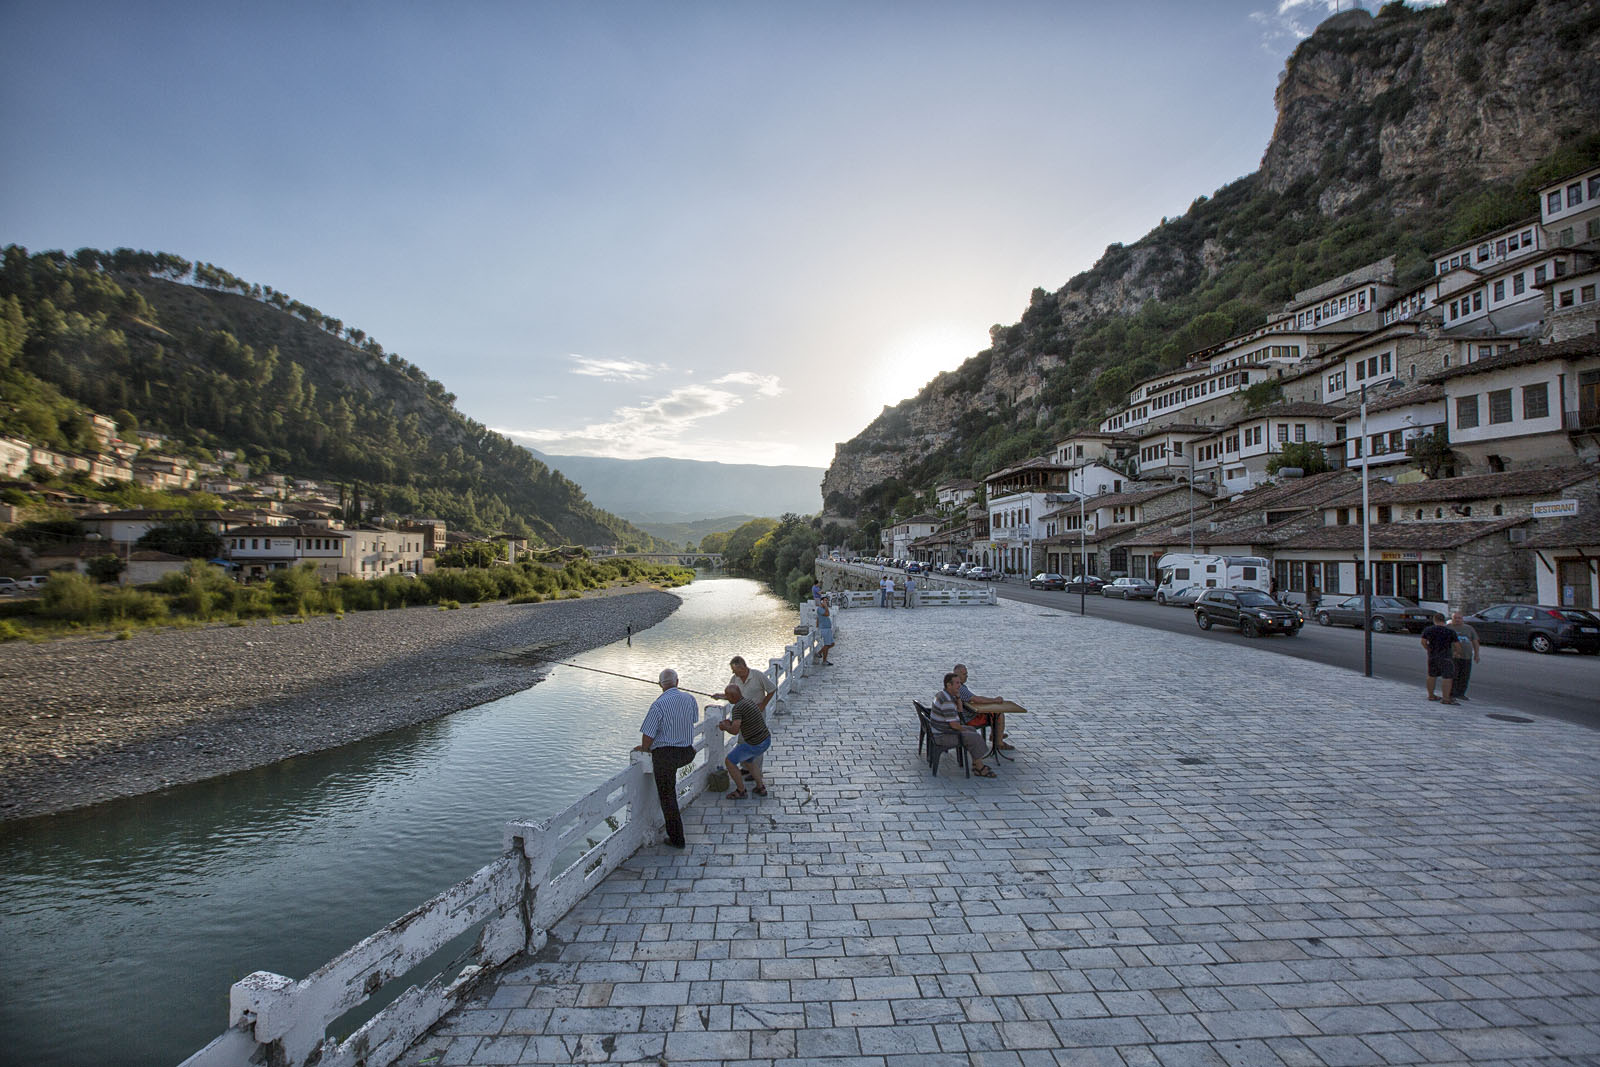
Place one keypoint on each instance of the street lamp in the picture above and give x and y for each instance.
(1366, 534)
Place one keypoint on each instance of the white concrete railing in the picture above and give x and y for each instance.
(932, 590)
(546, 869)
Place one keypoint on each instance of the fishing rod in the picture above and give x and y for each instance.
(597, 670)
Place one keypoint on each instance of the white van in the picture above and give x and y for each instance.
(1185, 575)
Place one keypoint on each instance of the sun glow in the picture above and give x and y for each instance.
(916, 355)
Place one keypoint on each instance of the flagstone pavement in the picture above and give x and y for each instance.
(1204, 854)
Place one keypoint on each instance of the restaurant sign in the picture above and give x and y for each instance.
(1555, 509)
(1399, 557)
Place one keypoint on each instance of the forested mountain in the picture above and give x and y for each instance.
(1398, 134)
(210, 360)
(660, 489)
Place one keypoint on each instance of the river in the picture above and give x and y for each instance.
(122, 926)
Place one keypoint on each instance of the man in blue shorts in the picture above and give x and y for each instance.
(749, 722)
(1438, 639)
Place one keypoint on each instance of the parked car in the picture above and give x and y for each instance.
(1130, 589)
(9, 585)
(1388, 613)
(1539, 627)
(1251, 610)
(915, 568)
(983, 574)
(1047, 581)
(1084, 583)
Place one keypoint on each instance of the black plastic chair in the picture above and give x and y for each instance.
(938, 741)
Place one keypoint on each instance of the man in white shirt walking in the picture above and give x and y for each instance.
(668, 735)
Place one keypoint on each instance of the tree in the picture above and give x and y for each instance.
(1432, 454)
(104, 569)
(1309, 456)
(190, 538)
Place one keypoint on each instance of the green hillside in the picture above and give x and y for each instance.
(213, 361)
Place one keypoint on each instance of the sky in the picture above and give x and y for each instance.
(720, 231)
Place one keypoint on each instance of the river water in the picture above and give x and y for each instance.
(122, 926)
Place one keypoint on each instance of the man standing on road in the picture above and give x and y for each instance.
(886, 592)
(1438, 639)
(668, 735)
(1464, 654)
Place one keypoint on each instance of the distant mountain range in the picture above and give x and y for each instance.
(661, 491)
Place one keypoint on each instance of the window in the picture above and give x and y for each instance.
(1594, 187)
(1466, 411)
(1396, 442)
(1566, 299)
(1518, 284)
(1300, 432)
(1283, 432)
(1385, 365)
(1564, 238)
(1499, 406)
(1500, 290)
(1361, 369)
(1433, 581)
(1574, 194)
(1477, 301)
(1586, 294)
(1536, 401)
(1552, 202)
(1455, 312)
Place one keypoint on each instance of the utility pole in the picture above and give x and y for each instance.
(1366, 537)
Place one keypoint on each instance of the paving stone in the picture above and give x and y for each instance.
(1351, 876)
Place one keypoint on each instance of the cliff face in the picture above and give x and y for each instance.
(1469, 90)
(1378, 118)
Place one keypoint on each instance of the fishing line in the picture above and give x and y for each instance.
(597, 670)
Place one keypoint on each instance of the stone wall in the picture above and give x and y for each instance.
(1490, 570)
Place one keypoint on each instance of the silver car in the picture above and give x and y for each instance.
(1130, 589)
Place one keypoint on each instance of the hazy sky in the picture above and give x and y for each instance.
(727, 230)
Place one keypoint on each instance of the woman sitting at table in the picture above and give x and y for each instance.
(947, 714)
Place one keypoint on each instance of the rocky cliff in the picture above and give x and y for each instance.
(1396, 134)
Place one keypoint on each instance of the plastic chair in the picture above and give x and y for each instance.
(938, 741)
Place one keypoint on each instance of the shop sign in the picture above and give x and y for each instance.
(1555, 509)
(1399, 557)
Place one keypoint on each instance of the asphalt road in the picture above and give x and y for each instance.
(1564, 685)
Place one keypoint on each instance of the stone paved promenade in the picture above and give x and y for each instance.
(1203, 854)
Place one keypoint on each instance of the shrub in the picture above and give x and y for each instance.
(69, 597)
(119, 604)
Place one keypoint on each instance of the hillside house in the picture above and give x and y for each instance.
(1531, 406)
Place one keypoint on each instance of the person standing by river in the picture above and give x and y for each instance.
(668, 735)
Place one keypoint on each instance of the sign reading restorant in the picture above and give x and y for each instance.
(1555, 509)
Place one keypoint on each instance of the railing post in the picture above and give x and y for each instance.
(646, 823)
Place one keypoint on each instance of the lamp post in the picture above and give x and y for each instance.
(1366, 537)
(1083, 555)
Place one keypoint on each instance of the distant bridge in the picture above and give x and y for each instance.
(682, 559)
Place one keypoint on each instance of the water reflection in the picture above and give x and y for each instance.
(122, 926)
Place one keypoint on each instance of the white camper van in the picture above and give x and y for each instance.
(1187, 573)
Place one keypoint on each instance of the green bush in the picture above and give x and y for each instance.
(69, 597)
(120, 603)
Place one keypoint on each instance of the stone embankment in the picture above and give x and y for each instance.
(85, 720)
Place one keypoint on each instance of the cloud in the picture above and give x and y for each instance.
(1292, 21)
(764, 384)
(657, 427)
(615, 370)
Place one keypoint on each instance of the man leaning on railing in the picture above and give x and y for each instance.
(668, 735)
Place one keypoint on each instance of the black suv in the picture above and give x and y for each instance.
(1251, 610)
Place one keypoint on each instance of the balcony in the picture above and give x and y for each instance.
(1584, 420)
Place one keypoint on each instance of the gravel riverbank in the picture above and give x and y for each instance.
(85, 720)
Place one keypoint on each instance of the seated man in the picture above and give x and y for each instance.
(975, 705)
(746, 720)
(947, 713)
